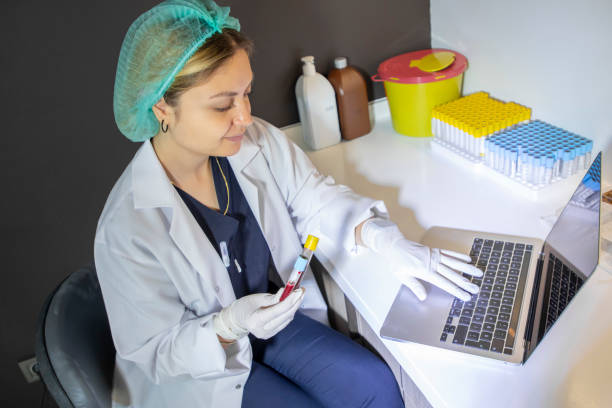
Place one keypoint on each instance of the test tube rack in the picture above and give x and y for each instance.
(463, 125)
(537, 153)
(502, 135)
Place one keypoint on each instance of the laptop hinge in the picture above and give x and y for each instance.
(533, 303)
(526, 346)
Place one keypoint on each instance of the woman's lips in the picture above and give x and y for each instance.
(235, 139)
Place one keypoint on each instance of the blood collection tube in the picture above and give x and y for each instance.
(299, 268)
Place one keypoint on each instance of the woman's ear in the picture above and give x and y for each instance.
(162, 110)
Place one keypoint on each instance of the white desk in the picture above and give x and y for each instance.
(424, 186)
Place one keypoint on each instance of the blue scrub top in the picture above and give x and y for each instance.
(239, 230)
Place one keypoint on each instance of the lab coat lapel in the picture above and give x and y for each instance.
(246, 174)
(260, 191)
(193, 243)
(152, 188)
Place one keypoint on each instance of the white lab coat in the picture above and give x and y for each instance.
(162, 280)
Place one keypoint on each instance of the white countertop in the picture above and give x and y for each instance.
(424, 185)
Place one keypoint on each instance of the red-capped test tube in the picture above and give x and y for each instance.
(299, 268)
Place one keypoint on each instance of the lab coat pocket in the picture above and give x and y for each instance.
(196, 294)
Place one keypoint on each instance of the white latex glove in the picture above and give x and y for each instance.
(411, 261)
(261, 314)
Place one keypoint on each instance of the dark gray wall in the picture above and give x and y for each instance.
(60, 151)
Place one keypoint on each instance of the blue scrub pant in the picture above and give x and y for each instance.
(307, 364)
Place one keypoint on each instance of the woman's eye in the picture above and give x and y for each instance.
(224, 109)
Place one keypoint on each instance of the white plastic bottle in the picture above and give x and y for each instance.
(316, 101)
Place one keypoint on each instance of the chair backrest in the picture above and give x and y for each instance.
(74, 347)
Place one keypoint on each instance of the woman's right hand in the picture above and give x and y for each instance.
(411, 261)
(260, 314)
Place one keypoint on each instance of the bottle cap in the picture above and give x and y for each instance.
(308, 68)
(311, 242)
(340, 62)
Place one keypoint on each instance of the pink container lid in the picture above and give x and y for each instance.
(418, 67)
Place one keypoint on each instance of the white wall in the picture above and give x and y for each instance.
(552, 56)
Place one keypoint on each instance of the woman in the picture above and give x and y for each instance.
(201, 230)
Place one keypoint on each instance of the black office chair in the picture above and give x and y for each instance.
(74, 348)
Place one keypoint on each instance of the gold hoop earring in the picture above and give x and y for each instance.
(162, 127)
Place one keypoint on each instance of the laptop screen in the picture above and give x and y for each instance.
(569, 255)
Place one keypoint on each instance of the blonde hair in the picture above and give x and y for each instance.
(206, 60)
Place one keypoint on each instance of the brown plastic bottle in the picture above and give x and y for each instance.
(351, 98)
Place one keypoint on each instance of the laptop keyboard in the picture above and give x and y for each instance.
(489, 319)
(564, 285)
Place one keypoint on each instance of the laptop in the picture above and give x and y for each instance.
(526, 284)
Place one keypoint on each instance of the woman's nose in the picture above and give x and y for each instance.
(243, 114)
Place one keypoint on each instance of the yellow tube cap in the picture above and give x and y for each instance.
(311, 242)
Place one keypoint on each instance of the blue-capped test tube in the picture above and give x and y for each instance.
(525, 166)
(558, 162)
(537, 165)
(548, 174)
(509, 163)
(565, 163)
(503, 158)
(580, 151)
(587, 154)
(513, 168)
(499, 166)
(572, 159)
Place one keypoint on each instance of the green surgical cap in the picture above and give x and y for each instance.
(155, 49)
